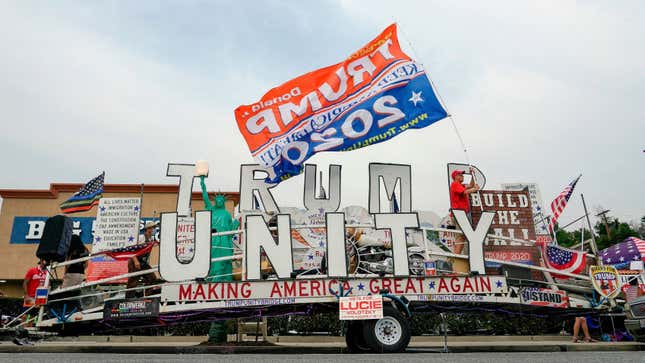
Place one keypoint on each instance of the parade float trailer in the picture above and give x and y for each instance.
(375, 287)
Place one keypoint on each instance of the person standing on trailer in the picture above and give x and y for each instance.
(459, 199)
(75, 273)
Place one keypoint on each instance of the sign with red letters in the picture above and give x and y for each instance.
(361, 307)
(329, 287)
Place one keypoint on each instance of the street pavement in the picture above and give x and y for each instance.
(295, 346)
(551, 357)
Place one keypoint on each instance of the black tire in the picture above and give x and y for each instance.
(354, 338)
(391, 334)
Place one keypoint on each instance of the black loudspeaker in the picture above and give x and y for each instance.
(56, 238)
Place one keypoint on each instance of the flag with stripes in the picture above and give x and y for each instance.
(558, 204)
(86, 198)
(621, 254)
(631, 292)
(125, 253)
(564, 259)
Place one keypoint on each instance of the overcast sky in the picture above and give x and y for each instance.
(540, 91)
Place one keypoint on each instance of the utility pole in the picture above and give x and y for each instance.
(604, 220)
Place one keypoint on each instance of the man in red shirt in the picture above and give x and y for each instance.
(459, 200)
(34, 278)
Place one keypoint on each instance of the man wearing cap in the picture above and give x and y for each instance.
(142, 262)
(459, 200)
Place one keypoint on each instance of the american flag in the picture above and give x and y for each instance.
(564, 259)
(631, 292)
(86, 198)
(125, 253)
(558, 204)
(621, 254)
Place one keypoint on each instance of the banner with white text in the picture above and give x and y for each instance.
(372, 96)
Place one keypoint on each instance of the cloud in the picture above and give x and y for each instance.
(540, 91)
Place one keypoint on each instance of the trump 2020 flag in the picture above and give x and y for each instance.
(372, 96)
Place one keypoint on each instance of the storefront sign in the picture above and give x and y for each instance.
(313, 288)
(28, 229)
(126, 309)
(544, 297)
(360, 307)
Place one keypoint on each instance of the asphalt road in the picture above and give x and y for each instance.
(568, 357)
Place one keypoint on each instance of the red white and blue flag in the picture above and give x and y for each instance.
(564, 259)
(560, 202)
(622, 254)
(372, 96)
(125, 253)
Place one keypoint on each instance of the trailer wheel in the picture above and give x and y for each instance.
(354, 338)
(390, 334)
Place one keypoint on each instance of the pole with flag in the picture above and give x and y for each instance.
(87, 197)
(559, 203)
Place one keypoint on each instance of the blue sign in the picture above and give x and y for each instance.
(28, 229)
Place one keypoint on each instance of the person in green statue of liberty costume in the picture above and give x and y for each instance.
(221, 246)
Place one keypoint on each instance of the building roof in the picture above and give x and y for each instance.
(55, 188)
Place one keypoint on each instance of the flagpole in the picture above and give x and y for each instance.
(449, 115)
(555, 238)
(594, 247)
(140, 208)
(547, 275)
